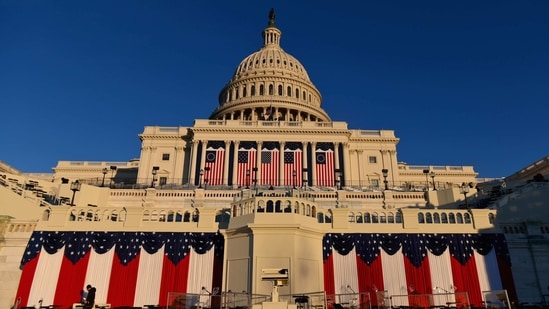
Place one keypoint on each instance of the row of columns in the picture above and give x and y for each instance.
(201, 164)
(254, 114)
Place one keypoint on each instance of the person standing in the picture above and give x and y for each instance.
(90, 298)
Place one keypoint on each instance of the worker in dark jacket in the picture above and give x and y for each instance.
(90, 298)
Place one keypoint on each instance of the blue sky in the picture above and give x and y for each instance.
(460, 82)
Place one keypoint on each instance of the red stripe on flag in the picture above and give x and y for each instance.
(370, 278)
(25, 283)
(466, 279)
(174, 278)
(71, 280)
(123, 282)
(419, 282)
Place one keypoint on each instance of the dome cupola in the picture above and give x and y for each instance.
(270, 84)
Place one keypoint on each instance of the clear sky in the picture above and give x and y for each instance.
(460, 82)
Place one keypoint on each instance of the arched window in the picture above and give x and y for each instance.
(428, 217)
(320, 217)
(304, 96)
(270, 206)
(382, 218)
(452, 218)
(367, 218)
(289, 91)
(459, 218)
(253, 90)
(375, 218)
(288, 208)
(279, 89)
(420, 218)
(278, 206)
(467, 218)
(271, 90)
(358, 218)
(398, 217)
(237, 95)
(297, 93)
(436, 217)
(444, 218)
(261, 90)
(391, 218)
(244, 92)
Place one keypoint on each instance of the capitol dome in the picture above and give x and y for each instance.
(270, 84)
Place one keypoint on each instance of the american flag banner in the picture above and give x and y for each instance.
(411, 266)
(293, 164)
(127, 268)
(246, 162)
(325, 168)
(214, 165)
(269, 167)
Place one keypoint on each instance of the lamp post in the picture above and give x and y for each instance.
(75, 186)
(200, 178)
(206, 176)
(255, 177)
(385, 173)
(432, 174)
(154, 173)
(464, 189)
(294, 174)
(104, 171)
(426, 172)
(247, 179)
(113, 169)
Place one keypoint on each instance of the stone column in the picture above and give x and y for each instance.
(346, 160)
(226, 163)
(192, 162)
(313, 163)
(235, 162)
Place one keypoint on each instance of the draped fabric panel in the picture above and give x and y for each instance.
(128, 269)
(46, 278)
(148, 278)
(410, 265)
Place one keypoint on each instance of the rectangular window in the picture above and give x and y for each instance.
(375, 183)
(373, 159)
(163, 180)
(165, 156)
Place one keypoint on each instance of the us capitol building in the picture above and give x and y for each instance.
(270, 182)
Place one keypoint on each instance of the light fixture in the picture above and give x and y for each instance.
(104, 171)
(432, 174)
(75, 186)
(385, 173)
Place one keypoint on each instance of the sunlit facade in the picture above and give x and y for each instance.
(269, 180)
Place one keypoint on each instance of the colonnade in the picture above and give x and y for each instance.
(307, 175)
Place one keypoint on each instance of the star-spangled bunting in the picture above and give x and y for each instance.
(414, 248)
(367, 247)
(78, 244)
(326, 246)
